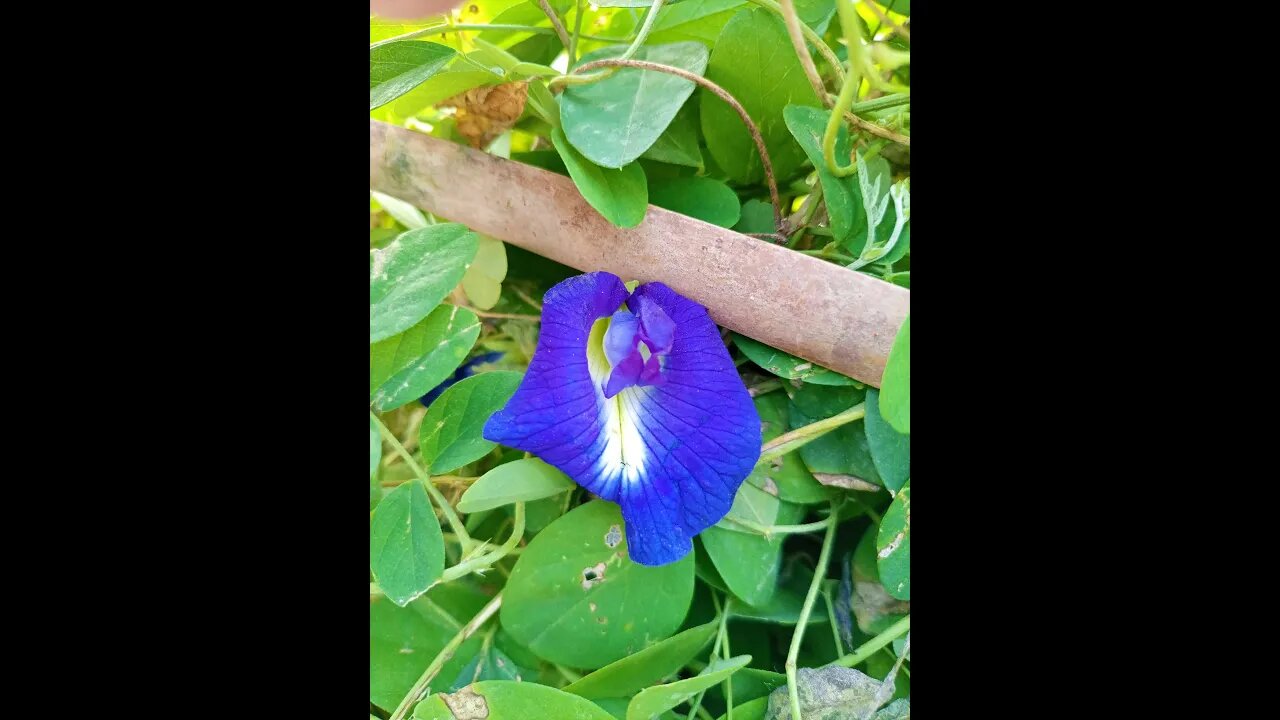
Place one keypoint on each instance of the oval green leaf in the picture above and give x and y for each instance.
(843, 451)
(657, 699)
(754, 61)
(698, 197)
(788, 366)
(483, 280)
(748, 562)
(520, 480)
(397, 67)
(621, 196)
(890, 449)
(895, 386)
(612, 121)
(404, 367)
(508, 700)
(406, 548)
(893, 545)
(646, 667)
(575, 597)
(411, 275)
(452, 431)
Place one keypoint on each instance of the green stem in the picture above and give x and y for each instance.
(459, 529)
(768, 530)
(881, 103)
(487, 560)
(420, 687)
(827, 254)
(481, 27)
(819, 572)
(870, 647)
(568, 674)
(787, 442)
(649, 19)
(831, 618)
(577, 31)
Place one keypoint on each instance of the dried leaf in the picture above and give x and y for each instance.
(484, 113)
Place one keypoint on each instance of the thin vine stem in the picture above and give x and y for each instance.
(768, 530)
(577, 32)
(718, 92)
(801, 436)
(643, 34)
(487, 560)
(819, 572)
(420, 687)
(792, 21)
(555, 23)
(464, 538)
(870, 647)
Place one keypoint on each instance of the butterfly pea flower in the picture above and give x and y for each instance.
(634, 396)
(467, 370)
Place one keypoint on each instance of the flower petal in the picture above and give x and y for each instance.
(672, 454)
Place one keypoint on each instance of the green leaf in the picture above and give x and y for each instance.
(403, 641)
(398, 67)
(403, 213)
(893, 546)
(787, 477)
(747, 562)
(483, 280)
(843, 451)
(753, 60)
(895, 386)
(841, 195)
(520, 480)
(575, 597)
(873, 608)
(678, 144)
(409, 277)
(375, 447)
(699, 197)
(757, 217)
(657, 699)
(870, 186)
(890, 449)
(489, 664)
(508, 700)
(404, 367)
(406, 548)
(621, 196)
(452, 431)
(816, 14)
(700, 20)
(788, 366)
(751, 710)
(830, 693)
(612, 121)
(460, 77)
(650, 665)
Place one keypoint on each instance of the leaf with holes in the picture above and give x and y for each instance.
(452, 431)
(519, 480)
(893, 546)
(406, 548)
(612, 121)
(575, 598)
(409, 277)
(404, 367)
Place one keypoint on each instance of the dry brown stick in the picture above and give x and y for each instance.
(555, 23)
(884, 18)
(877, 130)
(723, 95)
(792, 22)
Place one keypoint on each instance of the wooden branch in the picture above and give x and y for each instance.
(824, 313)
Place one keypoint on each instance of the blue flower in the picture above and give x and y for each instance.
(467, 370)
(634, 396)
